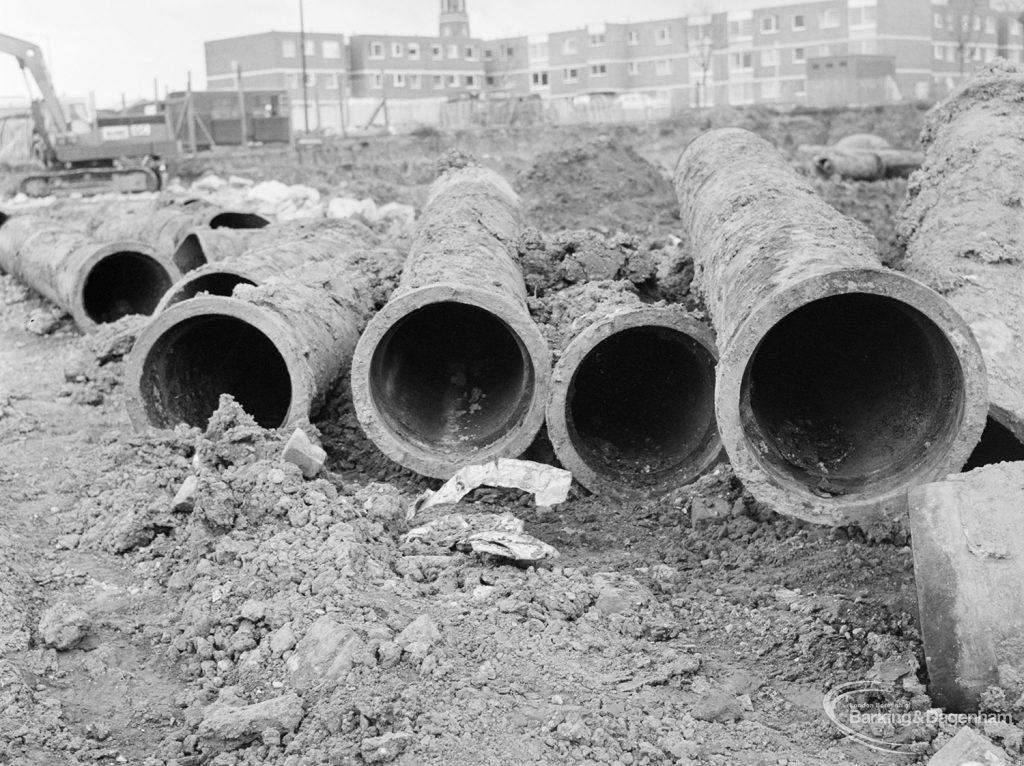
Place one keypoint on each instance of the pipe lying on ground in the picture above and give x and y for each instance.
(839, 383)
(271, 252)
(631, 411)
(452, 371)
(276, 347)
(203, 245)
(867, 165)
(95, 282)
(963, 224)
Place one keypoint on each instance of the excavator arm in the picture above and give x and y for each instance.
(31, 58)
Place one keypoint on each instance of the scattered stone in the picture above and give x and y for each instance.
(282, 639)
(62, 626)
(386, 747)
(326, 653)
(302, 452)
(612, 601)
(230, 728)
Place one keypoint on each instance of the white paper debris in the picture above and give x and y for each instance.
(548, 484)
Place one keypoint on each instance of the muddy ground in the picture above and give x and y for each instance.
(699, 629)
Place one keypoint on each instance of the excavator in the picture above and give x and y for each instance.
(115, 154)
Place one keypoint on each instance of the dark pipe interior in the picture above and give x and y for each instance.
(3, 218)
(451, 376)
(214, 283)
(230, 220)
(124, 283)
(641, 406)
(197, 360)
(997, 445)
(189, 254)
(850, 391)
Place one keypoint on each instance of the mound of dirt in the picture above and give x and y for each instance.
(602, 184)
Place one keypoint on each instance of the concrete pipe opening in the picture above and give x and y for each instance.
(121, 283)
(852, 392)
(235, 220)
(640, 409)
(196, 360)
(998, 445)
(451, 378)
(190, 254)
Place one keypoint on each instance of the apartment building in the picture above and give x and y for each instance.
(853, 51)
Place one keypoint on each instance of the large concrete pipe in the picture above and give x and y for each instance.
(963, 225)
(276, 347)
(94, 281)
(452, 371)
(840, 384)
(272, 252)
(631, 410)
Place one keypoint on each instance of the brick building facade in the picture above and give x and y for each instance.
(909, 49)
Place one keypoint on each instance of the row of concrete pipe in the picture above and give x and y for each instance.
(832, 383)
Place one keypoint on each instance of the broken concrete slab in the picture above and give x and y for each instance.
(327, 652)
(968, 748)
(230, 728)
(966, 534)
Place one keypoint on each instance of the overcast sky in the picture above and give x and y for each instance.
(119, 46)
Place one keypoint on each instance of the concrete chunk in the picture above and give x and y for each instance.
(326, 653)
(968, 748)
(967, 534)
(226, 729)
(302, 452)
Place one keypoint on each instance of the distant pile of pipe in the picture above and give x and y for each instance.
(862, 157)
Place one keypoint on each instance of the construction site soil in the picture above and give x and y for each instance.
(267, 618)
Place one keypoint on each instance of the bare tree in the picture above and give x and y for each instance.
(700, 46)
(967, 23)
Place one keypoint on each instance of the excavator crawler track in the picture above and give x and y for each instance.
(91, 181)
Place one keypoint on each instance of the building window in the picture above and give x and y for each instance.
(311, 79)
(828, 19)
(331, 49)
(539, 79)
(470, 53)
(570, 46)
(489, 54)
(397, 50)
(288, 49)
(538, 51)
(662, 36)
(332, 81)
(398, 80)
(415, 81)
(798, 23)
(1014, 29)
(292, 81)
(570, 75)
(634, 68)
(452, 51)
(977, 23)
(376, 50)
(990, 26)
(489, 80)
(378, 81)
(741, 60)
(310, 47)
(741, 93)
(663, 67)
(799, 55)
(741, 28)
(770, 57)
(937, 20)
(438, 81)
(769, 24)
(453, 81)
(412, 50)
(862, 16)
(633, 37)
(435, 52)
(770, 89)
(598, 70)
(598, 39)
(470, 80)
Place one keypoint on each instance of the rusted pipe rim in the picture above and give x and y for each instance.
(138, 277)
(683, 436)
(215, 279)
(397, 428)
(748, 397)
(180, 361)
